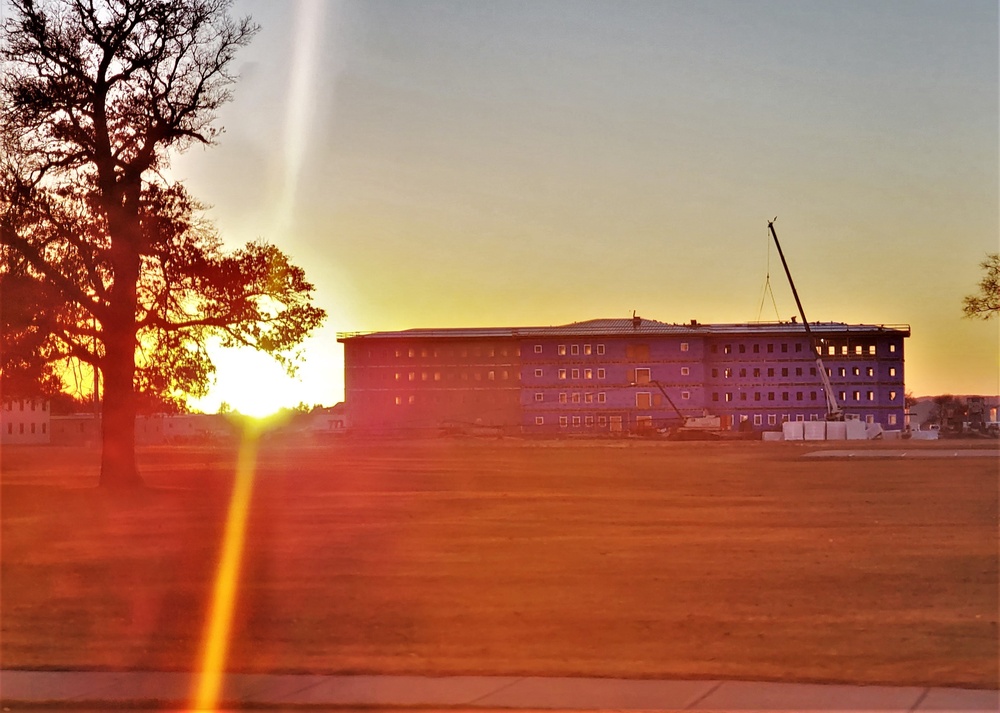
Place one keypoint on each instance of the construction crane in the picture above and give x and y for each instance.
(833, 410)
(690, 426)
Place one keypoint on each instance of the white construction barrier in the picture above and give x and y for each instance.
(792, 430)
(815, 430)
(772, 436)
(874, 431)
(856, 430)
(836, 430)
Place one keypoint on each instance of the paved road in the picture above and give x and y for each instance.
(78, 690)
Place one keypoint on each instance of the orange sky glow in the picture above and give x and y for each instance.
(439, 164)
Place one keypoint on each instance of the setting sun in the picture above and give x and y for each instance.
(252, 384)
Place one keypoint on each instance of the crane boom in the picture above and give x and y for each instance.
(833, 410)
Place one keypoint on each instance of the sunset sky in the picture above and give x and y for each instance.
(516, 163)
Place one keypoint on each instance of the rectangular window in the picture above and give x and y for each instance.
(770, 371)
(539, 420)
(601, 397)
(727, 349)
(684, 346)
(586, 349)
(743, 396)
(575, 349)
(43, 427)
(892, 348)
(812, 395)
(772, 419)
(784, 396)
(437, 376)
(685, 371)
(756, 371)
(800, 417)
(602, 420)
(575, 398)
(643, 400)
(857, 395)
(799, 396)
(743, 372)
(892, 419)
(600, 373)
(892, 371)
(562, 374)
(856, 371)
(756, 396)
(798, 371)
(588, 420)
(538, 349)
(398, 376)
(588, 398)
(685, 395)
(588, 373)
(728, 373)
(871, 395)
(756, 349)
(561, 350)
(743, 348)
(798, 346)
(757, 419)
(539, 396)
(869, 418)
(32, 425)
(892, 395)
(413, 376)
(642, 376)
(784, 347)
(412, 399)
(576, 420)
(842, 371)
(729, 396)
(715, 396)
(843, 396)
(576, 373)
(770, 349)
(784, 371)
(715, 372)
(563, 421)
(563, 398)
(600, 348)
(870, 371)
(770, 396)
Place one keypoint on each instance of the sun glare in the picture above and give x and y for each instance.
(251, 383)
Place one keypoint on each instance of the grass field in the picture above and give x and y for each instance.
(625, 559)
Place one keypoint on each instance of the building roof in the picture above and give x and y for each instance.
(630, 326)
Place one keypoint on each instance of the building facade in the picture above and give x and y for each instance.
(24, 421)
(622, 375)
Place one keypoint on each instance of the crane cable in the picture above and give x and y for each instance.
(767, 284)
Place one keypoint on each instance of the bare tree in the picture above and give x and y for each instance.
(986, 304)
(95, 96)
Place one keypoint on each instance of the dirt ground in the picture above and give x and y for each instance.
(623, 559)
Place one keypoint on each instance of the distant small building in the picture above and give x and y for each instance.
(25, 421)
(76, 429)
(327, 420)
(181, 428)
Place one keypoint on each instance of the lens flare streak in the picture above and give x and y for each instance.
(217, 630)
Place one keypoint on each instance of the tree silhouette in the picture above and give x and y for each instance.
(986, 304)
(104, 258)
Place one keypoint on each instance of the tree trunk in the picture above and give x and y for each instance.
(118, 465)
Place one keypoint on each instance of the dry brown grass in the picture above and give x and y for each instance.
(629, 559)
